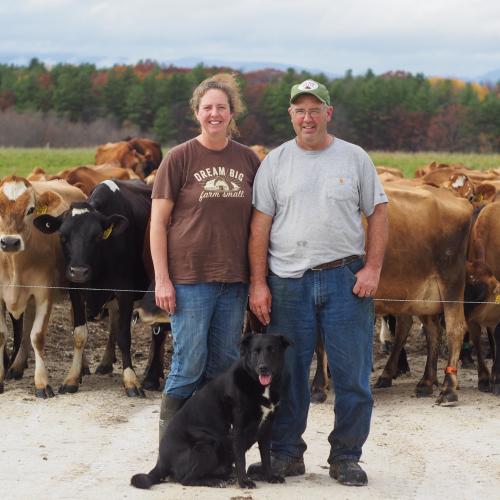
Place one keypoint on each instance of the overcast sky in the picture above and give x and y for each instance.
(437, 37)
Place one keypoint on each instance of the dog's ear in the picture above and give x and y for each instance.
(245, 342)
(285, 342)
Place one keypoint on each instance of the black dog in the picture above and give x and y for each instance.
(223, 420)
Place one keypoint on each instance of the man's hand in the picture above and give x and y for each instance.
(366, 283)
(260, 302)
(165, 296)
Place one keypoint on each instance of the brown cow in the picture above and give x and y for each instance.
(259, 150)
(29, 263)
(123, 154)
(424, 266)
(151, 150)
(485, 246)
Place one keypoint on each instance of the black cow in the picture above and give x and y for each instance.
(102, 241)
(148, 313)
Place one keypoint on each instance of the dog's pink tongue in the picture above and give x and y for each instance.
(265, 379)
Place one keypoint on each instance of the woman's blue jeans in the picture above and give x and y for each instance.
(206, 330)
(322, 303)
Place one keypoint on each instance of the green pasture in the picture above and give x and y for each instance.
(22, 161)
(409, 162)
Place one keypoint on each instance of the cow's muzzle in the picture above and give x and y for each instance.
(78, 274)
(11, 243)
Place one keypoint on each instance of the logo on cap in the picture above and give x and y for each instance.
(308, 85)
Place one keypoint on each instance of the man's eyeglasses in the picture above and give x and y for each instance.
(313, 113)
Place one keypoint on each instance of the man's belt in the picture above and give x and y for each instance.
(335, 263)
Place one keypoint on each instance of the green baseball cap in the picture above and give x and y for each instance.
(310, 87)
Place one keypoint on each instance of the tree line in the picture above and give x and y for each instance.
(392, 111)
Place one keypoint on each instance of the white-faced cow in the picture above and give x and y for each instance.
(31, 263)
(102, 242)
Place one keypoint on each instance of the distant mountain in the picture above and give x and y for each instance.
(490, 77)
(185, 62)
(190, 62)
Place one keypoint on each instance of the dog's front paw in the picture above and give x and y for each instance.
(246, 483)
(274, 478)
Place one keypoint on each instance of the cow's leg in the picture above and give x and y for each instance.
(387, 333)
(17, 327)
(37, 336)
(321, 382)
(455, 331)
(432, 331)
(20, 362)
(154, 369)
(490, 354)
(466, 352)
(132, 385)
(80, 335)
(495, 369)
(109, 357)
(403, 325)
(3, 344)
(483, 374)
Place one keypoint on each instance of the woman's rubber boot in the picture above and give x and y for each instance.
(169, 407)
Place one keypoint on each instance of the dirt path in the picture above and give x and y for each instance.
(87, 445)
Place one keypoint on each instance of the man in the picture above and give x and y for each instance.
(307, 231)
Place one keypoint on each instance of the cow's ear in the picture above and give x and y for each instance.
(47, 224)
(485, 193)
(245, 343)
(114, 225)
(47, 202)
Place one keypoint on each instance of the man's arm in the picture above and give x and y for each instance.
(258, 244)
(161, 210)
(378, 230)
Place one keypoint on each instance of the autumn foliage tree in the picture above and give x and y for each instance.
(395, 110)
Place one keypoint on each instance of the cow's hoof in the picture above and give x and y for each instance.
(424, 391)
(151, 384)
(484, 385)
(44, 393)
(135, 392)
(318, 397)
(14, 374)
(85, 370)
(1, 388)
(383, 383)
(447, 398)
(495, 389)
(68, 389)
(104, 369)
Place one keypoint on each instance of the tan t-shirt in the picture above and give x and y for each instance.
(212, 195)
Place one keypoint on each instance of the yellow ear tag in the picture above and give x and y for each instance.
(107, 232)
(497, 299)
(479, 197)
(41, 210)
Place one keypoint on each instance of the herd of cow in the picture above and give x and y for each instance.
(85, 230)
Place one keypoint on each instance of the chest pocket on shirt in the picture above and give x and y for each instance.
(340, 188)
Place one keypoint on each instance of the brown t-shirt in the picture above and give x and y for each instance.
(212, 195)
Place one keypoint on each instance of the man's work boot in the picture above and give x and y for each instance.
(348, 472)
(281, 465)
(168, 408)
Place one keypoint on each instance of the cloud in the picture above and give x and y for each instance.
(439, 36)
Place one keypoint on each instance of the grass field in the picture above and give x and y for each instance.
(22, 161)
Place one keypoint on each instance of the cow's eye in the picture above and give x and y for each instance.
(30, 210)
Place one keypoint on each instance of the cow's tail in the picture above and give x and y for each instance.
(145, 481)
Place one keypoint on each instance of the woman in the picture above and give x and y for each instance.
(200, 219)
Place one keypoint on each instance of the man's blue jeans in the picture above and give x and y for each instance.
(322, 303)
(206, 330)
